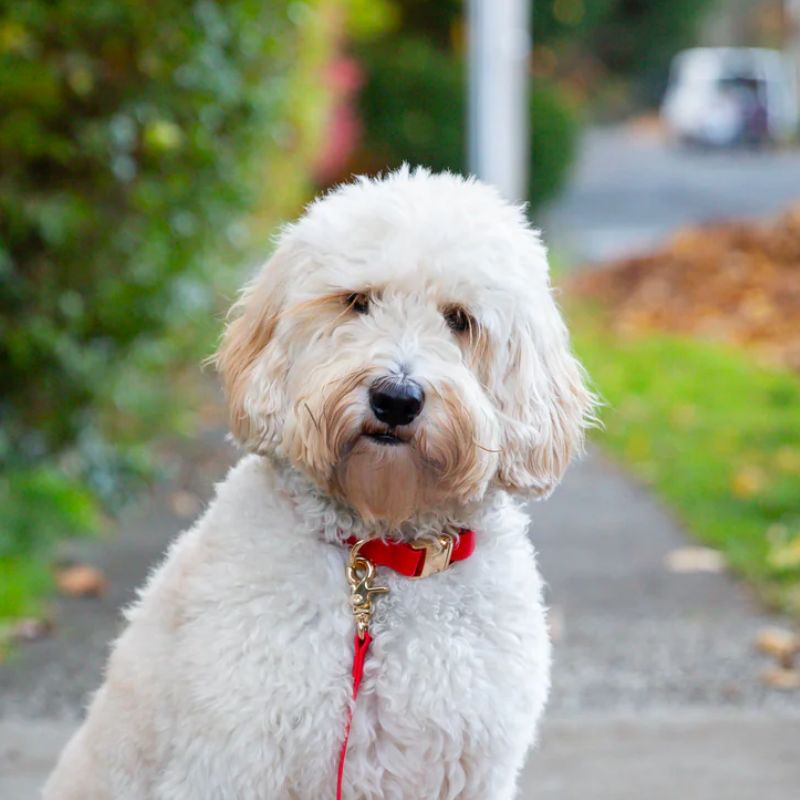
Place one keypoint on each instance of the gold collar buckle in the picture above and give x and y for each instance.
(438, 553)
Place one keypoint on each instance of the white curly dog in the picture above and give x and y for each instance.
(397, 371)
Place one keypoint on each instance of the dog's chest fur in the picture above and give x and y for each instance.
(253, 689)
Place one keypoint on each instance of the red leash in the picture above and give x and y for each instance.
(418, 560)
(361, 647)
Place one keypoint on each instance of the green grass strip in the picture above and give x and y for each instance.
(716, 435)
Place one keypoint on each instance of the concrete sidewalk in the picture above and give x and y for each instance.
(656, 682)
(735, 755)
(28, 749)
(667, 756)
(631, 635)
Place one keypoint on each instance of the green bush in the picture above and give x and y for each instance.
(413, 106)
(554, 143)
(134, 137)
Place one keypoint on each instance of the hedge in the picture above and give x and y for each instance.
(134, 140)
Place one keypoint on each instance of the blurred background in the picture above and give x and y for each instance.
(149, 151)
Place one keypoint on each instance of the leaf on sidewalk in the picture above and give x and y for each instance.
(779, 643)
(780, 678)
(81, 580)
(694, 559)
(31, 628)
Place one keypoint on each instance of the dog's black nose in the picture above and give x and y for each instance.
(396, 402)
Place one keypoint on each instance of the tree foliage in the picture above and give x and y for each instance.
(414, 108)
(134, 138)
(631, 39)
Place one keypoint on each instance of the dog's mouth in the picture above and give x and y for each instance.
(386, 437)
(389, 439)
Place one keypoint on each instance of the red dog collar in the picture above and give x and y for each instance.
(418, 559)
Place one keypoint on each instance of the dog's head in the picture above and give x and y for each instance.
(403, 349)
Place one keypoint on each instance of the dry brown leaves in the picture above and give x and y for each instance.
(737, 283)
(784, 646)
(81, 580)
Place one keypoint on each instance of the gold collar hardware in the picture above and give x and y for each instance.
(360, 574)
(438, 553)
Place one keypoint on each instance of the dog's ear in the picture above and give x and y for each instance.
(543, 400)
(250, 361)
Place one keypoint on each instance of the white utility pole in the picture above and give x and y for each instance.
(792, 12)
(499, 46)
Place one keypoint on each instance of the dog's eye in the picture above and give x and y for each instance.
(457, 319)
(359, 302)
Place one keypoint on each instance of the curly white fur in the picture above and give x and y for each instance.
(232, 679)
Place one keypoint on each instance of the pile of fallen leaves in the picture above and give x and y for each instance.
(737, 283)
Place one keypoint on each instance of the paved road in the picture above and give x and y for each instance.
(630, 190)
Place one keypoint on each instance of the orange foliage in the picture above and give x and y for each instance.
(737, 283)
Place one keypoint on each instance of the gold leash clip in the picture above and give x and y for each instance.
(360, 574)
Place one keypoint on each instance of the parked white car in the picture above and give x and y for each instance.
(724, 96)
